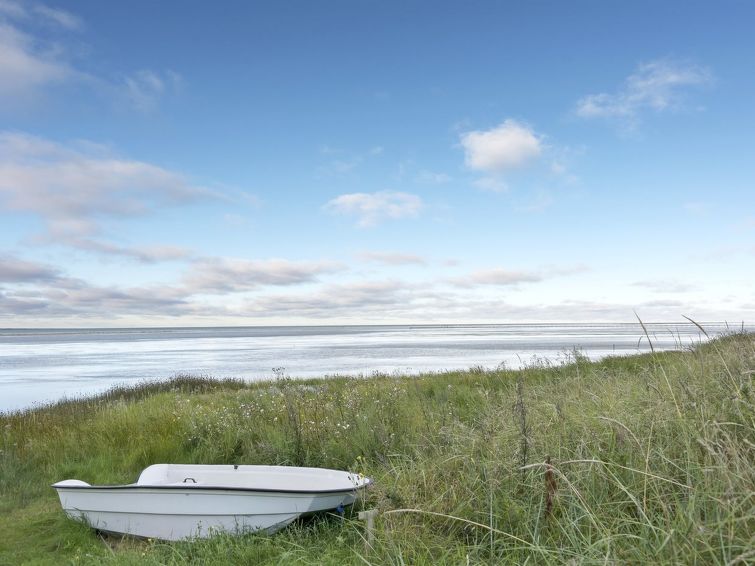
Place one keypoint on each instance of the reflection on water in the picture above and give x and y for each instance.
(43, 365)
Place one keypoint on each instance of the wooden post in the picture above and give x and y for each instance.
(551, 487)
(369, 518)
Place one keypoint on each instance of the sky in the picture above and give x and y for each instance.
(362, 162)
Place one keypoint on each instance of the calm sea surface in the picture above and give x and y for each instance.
(38, 366)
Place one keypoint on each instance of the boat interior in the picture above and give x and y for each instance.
(283, 478)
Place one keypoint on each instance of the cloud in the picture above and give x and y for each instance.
(18, 11)
(44, 290)
(11, 9)
(392, 258)
(359, 300)
(72, 188)
(380, 301)
(228, 275)
(347, 162)
(372, 208)
(144, 254)
(145, 88)
(38, 293)
(35, 288)
(90, 301)
(509, 145)
(656, 86)
(15, 270)
(505, 277)
(491, 184)
(26, 65)
(157, 253)
(542, 201)
(497, 276)
(665, 286)
(58, 17)
(12, 307)
(135, 299)
(664, 303)
(431, 178)
(30, 62)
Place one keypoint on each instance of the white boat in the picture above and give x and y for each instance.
(180, 501)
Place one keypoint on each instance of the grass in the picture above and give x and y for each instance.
(651, 461)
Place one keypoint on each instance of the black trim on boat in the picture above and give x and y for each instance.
(200, 487)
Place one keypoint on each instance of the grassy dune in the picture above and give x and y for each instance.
(652, 461)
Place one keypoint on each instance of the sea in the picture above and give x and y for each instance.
(39, 366)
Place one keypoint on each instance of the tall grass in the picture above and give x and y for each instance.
(642, 459)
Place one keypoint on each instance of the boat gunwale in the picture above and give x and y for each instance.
(198, 487)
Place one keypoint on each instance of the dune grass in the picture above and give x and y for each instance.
(651, 460)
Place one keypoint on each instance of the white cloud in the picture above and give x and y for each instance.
(43, 294)
(542, 201)
(509, 145)
(491, 184)
(81, 300)
(358, 300)
(15, 270)
(40, 12)
(506, 277)
(72, 188)
(144, 254)
(58, 17)
(25, 65)
(657, 86)
(28, 63)
(558, 168)
(145, 88)
(347, 161)
(31, 63)
(12, 9)
(227, 275)
(431, 178)
(665, 286)
(392, 258)
(372, 208)
(497, 276)
(381, 301)
(31, 288)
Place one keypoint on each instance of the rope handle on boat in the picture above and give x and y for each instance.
(192, 479)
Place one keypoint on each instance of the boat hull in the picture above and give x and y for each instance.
(176, 514)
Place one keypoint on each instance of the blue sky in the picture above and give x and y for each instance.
(375, 162)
